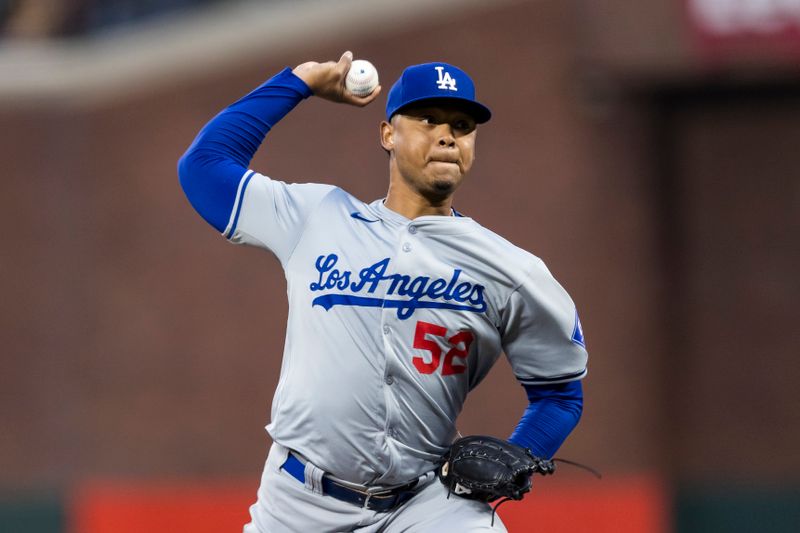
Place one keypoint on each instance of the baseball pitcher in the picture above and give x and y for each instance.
(397, 309)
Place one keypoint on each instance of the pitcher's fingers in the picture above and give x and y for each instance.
(361, 101)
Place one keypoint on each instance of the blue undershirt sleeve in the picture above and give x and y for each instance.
(553, 412)
(213, 166)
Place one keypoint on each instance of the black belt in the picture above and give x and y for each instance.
(381, 501)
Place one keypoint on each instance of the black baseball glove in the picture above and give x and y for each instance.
(486, 468)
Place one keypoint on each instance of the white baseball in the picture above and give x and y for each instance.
(362, 78)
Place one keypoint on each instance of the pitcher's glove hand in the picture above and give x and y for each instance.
(485, 468)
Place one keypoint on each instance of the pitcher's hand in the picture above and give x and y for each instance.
(326, 80)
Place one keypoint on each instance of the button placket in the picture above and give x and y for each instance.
(412, 230)
(389, 415)
(392, 387)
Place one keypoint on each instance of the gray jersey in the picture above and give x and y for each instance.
(392, 322)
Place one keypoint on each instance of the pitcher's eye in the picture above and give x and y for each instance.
(464, 125)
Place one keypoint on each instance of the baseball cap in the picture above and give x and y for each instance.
(438, 82)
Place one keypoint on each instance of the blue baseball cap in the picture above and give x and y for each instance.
(439, 83)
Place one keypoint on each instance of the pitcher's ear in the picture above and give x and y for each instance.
(387, 136)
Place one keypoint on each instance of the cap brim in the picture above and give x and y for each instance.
(476, 110)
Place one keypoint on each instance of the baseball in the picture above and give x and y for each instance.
(362, 78)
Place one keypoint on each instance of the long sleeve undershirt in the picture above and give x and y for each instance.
(212, 167)
(552, 413)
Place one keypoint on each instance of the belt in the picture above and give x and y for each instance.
(382, 501)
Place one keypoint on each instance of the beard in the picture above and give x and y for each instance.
(440, 190)
(443, 186)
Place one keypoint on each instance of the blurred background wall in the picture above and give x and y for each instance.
(647, 151)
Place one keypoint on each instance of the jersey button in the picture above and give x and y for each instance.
(388, 380)
(412, 230)
(406, 247)
(386, 329)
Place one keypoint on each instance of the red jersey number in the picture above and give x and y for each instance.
(459, 349)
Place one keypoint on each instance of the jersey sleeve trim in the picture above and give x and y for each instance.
(237, 205)
(563, 378)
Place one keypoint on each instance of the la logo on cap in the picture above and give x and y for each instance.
(445, 81)
(435, 81)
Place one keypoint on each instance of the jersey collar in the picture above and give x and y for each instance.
(456, 223)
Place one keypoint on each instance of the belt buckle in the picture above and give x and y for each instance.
(370, 492)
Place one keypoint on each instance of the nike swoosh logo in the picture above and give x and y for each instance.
(359, 216)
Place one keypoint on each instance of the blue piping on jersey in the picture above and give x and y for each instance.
(240, 200)
(554, 379)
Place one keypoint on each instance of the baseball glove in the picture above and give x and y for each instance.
(486, 468)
